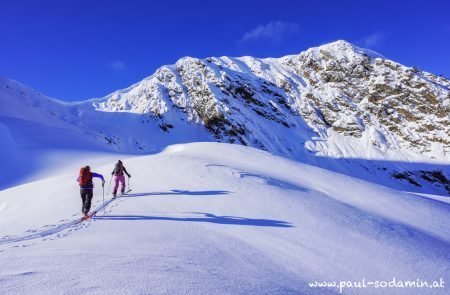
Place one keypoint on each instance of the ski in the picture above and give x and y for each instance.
(121, 194)
(89, 216)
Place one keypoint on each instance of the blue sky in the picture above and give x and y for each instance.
(75, 50)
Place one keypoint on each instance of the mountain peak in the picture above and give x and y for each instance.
(339, 44)
(341, 48)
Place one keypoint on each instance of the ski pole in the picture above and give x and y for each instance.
(129, 184)
(109, 185)
(103, 186)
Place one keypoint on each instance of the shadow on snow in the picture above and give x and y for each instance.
(204, 217)
(179, 192)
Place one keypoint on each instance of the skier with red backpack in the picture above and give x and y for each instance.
(118, 172)
(87, 188)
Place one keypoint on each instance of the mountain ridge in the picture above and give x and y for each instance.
(335, 101)
(211, 109)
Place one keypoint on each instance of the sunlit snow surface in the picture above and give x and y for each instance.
(210, 218)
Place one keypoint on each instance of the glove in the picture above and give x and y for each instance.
(103, 183)
(129, 176)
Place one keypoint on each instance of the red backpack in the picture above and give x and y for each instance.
(85, 177)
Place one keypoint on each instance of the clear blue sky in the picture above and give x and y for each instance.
(74, 50)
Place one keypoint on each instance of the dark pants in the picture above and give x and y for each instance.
(86, 197)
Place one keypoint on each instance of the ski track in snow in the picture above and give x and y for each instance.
(60, 230)
(209, 218)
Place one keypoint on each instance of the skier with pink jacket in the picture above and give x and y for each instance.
(118, 172)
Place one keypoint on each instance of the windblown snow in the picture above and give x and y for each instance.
(210, 218)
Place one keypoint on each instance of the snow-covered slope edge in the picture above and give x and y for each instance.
(40, 135)
(218, 218)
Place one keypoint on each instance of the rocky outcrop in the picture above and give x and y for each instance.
(333, 90)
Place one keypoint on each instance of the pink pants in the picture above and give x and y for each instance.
(117, 179)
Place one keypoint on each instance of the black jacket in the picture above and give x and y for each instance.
(119, 170)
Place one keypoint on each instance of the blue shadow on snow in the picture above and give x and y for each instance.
(179, 192)
(207, 217)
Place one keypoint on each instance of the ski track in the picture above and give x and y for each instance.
(71, 226)
(221, 219)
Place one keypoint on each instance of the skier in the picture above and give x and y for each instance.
(87, 188)
(118, 171)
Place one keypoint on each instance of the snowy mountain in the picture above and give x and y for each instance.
(336, 106)
(334, 90)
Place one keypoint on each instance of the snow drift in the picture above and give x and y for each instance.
(220, 218)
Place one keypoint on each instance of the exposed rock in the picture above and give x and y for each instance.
(337, 86)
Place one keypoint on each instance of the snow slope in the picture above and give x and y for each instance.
(41, 136)
(210, 218)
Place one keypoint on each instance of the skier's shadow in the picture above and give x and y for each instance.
(203, 217)
(179, 192)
